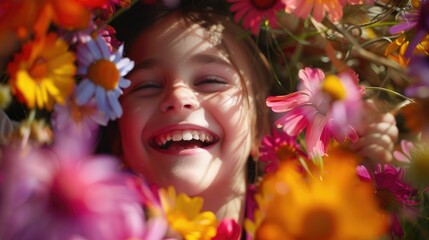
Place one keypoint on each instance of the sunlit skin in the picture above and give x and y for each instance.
(183, 82)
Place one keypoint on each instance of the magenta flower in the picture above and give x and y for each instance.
(47, 194)
(253, 13)
(325, 107)
(417, 20)
(278, 147)
(391, 191)
(228, 229)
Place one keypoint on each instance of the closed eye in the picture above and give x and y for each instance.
(211, 84)
(148, 88)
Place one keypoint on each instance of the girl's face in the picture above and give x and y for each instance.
(186, 120)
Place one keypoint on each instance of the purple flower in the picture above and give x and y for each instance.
(326, 107)
(419, 67)
(419, 20)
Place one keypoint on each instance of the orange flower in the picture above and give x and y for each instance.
(396, 49)
(26, 16)
(333, 204)
(42, 74)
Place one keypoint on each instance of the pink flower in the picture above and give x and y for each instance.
(47, 194)
(253, 12)
(405, 155)
(228, 229)
(326, 107)
(319, 8)
(278, 147)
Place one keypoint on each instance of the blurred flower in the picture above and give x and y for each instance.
(416, 117)
(418, 20)
(110, 7)
(48, 195)
(254, 12)
(327, 107)
(391, 190)
(5, 96)
(419, 166)
(26, 16)
(405, 154)
(277, 148)
(228, 229)
(419, 68)
(81, 119)
(332, 205)
(34, 132)
(184, 216)
(108, 33)
(333, 8)
(103, 76)
(42, 74)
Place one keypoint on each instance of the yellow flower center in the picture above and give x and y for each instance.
(39, 69)
(332, 85)
(104, 73)
(285, 152)
(319, 223)
(263, 4)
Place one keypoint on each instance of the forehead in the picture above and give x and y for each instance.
(175, 39)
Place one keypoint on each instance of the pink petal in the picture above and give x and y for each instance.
(286, 102)
(363, 173)
(313, 135)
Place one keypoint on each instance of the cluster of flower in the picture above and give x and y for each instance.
(62, 57)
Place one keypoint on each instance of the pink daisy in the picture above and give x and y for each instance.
(278, 147)
(254, 12)
(326, 107)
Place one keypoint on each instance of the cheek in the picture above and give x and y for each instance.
(134, 117)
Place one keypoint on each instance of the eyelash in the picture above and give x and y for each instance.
(210, 80)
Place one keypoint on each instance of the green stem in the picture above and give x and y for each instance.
(390, 91)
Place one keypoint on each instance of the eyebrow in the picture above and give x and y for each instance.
(147, 63)
(208, 58)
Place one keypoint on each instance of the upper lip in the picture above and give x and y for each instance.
(183, 132)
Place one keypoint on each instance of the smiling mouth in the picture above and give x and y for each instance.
(183, 139)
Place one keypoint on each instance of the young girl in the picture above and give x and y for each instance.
(194, 112)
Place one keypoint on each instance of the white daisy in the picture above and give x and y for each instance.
(102, 75)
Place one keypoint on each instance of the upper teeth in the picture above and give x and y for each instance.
(179, 135)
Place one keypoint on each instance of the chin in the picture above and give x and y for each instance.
(192, 182)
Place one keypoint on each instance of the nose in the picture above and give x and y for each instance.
(179, 97)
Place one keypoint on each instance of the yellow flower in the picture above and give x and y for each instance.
(333, 204)
(42, 74)
(184, 215)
